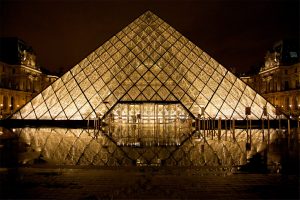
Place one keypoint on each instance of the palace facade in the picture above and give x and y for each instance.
(279, 78)
(20, 77)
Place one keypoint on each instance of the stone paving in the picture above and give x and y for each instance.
(143, 183)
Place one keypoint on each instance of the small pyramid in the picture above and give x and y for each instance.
(146, 61)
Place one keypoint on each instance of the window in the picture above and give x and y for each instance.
(12, 102)
(287, 102)
(286, 85)
(5, 102)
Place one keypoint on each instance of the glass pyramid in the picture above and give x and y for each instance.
(147, 61)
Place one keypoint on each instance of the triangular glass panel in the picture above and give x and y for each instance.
(17, 115)
(156, 97)
(126, 98)
(36, 101)
(171, 98)
(141, 97)
(26, 110)
(46, 116)
(31, 116)
(76, 116)
(61, 116)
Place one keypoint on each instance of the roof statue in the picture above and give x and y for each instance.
(147, 61)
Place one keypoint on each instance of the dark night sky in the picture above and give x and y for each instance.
(237, 33)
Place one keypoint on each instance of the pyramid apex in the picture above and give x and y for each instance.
(148, 17)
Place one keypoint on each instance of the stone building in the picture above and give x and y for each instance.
(20, 77)
(279, 78)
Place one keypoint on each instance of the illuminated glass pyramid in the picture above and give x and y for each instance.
(147, 61)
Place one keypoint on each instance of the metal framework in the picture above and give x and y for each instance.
(147, 61)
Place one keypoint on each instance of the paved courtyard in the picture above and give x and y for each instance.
(143, 183)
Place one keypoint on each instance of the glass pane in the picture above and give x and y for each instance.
(51, 101)
(41, 110)
(155, 84)
(134, 92)
(55, 110)
(36, 101)
(148, 92)
(66, 101)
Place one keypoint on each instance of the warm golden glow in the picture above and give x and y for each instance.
(147, 61)
(149, 113)
(91, 147)
(148, 124)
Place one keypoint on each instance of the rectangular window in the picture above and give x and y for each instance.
(287, 102)
(286, 85)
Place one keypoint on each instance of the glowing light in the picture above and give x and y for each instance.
(166, 86)
(1, 105)
(290, 105)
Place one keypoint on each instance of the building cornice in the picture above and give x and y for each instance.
(268, 70)
(6, 90)
(32, 69)
(288, 92)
